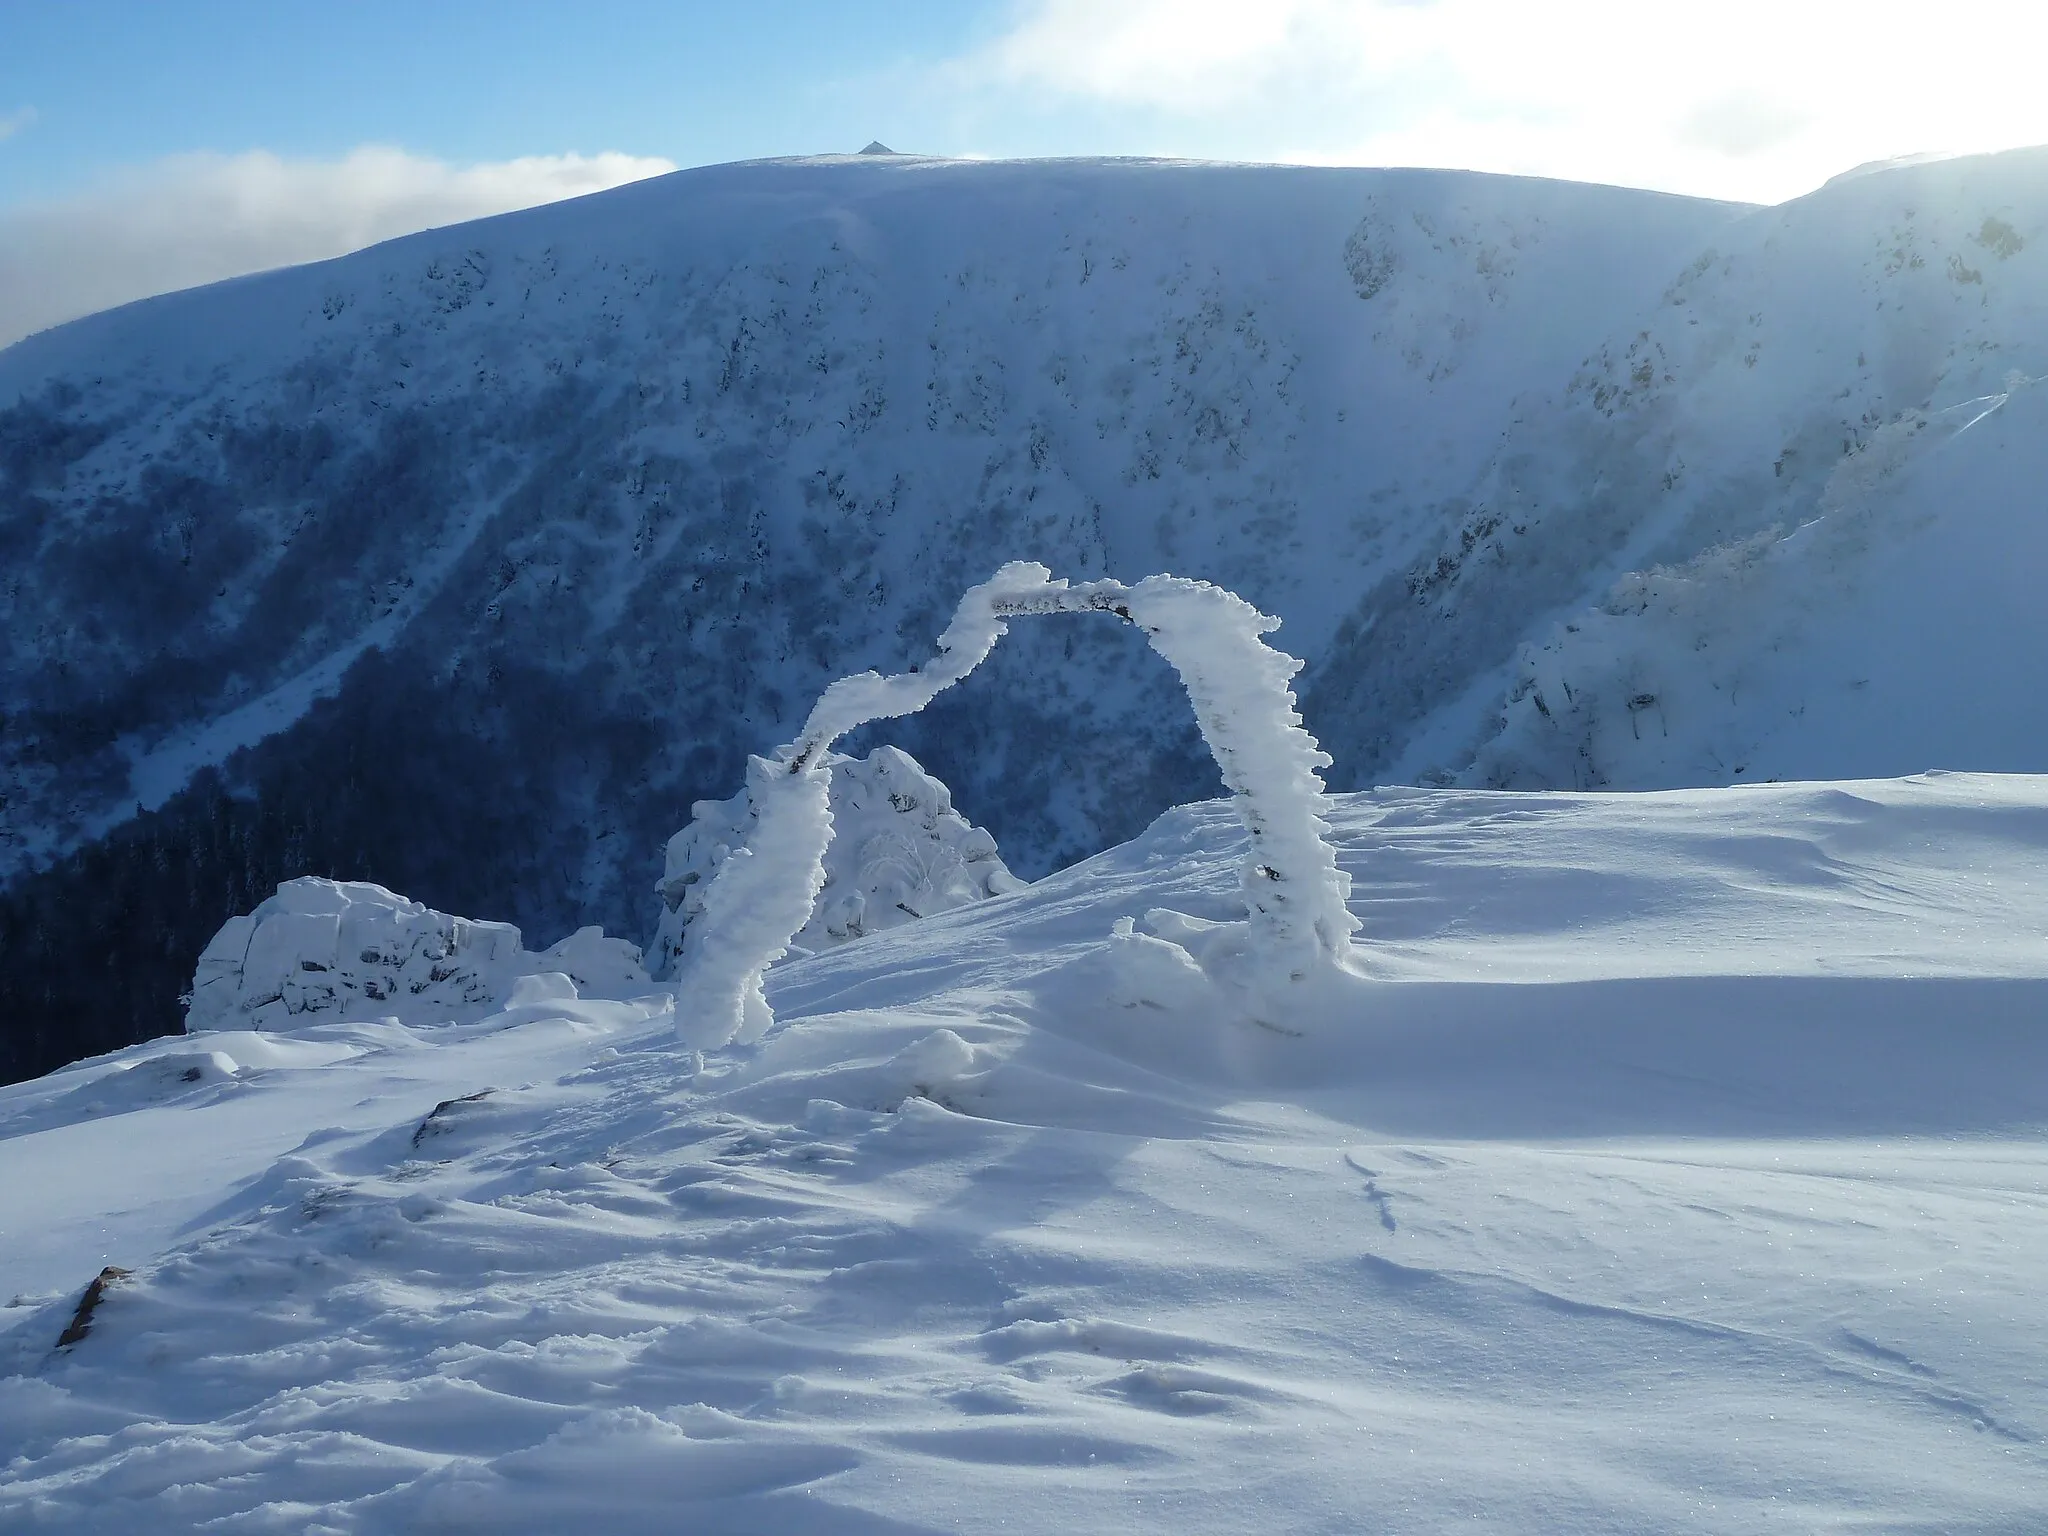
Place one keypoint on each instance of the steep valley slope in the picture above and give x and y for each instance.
(467, 562)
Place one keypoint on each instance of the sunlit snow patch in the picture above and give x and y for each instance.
(1675, 1122)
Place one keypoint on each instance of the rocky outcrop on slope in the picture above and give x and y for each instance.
(322, 951)
(899, 852)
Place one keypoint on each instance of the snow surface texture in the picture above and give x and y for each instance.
(325, 950)
(765, 893)
(899, 851)
(1688, 1174)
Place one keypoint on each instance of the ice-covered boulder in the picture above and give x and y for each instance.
(899, 851)
(324, 950)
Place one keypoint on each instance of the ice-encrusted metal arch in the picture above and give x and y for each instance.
(1295, 894)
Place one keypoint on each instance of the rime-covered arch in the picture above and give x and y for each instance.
(1294, 892)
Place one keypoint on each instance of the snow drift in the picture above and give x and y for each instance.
(1681, 1173)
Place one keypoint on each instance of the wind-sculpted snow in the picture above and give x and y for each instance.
(1683, 1174)
(1294, 891)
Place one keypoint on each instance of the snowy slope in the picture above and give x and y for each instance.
(1683, 1170)
(1898, 629)
(808, 400)
(594, 498)
(1816, 469)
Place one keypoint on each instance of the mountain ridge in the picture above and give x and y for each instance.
(524, 532)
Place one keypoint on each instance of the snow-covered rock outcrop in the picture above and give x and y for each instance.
(324, 950)
(899, 852)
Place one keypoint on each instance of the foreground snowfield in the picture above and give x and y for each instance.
(1686, 1172)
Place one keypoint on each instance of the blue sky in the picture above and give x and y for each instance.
(113, 83)
(146, 144)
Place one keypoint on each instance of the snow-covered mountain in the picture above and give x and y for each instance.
(468, 563)
(1680, 1168)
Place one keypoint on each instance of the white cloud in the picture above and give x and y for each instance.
(199, 218)
(1758, 99)
(1179, 54)
(1741, 123)
(13, 122)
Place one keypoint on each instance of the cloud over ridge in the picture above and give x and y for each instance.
(194, 219)
(1756, 100)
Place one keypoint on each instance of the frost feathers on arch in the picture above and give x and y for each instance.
(1240, 688)
(899, 851)
(764, 892)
